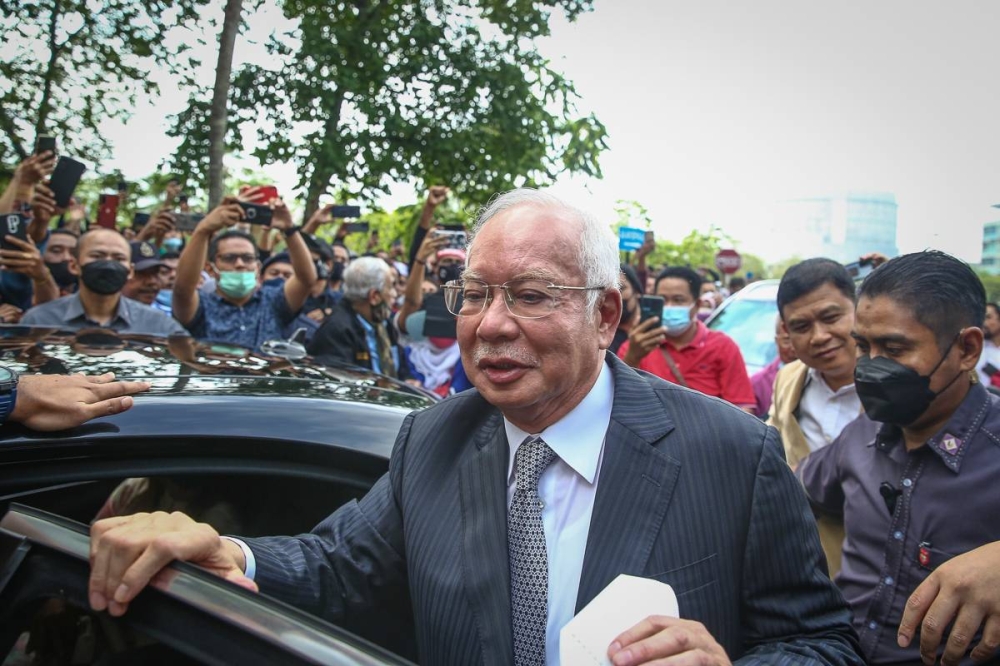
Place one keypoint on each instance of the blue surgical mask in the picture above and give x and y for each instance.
(676, 319)
(172, 244)
(237, 284)
(274, 282)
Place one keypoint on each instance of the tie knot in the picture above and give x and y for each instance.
(532, 457)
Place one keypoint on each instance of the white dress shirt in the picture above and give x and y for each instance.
(823, 412)
(567, 489)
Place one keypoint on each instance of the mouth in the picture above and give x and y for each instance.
(827, 353)
(502, 370)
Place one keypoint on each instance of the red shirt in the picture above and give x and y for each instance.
(711, 363)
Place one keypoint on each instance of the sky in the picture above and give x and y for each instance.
(718, 111)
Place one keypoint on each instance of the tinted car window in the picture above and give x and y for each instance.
(751, 324)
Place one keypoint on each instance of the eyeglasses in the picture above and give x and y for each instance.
(526, 299)
(233, 257)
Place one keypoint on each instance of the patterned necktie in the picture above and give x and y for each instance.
(529, 567)
(385, 350)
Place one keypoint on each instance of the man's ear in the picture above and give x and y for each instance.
(210, 269)
(131, 271)
(372, 295)
(970, 346)
(609, 314)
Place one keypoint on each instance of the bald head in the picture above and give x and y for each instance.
(104, 237)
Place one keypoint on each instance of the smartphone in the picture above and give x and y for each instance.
(256, 213)
(342, 212)
(265, 193)
(859, 270)
(356, 227)
(64, 179)
(45, 143)
(990, 369)
(456, 239)
(650, 306)
(107, 210)
(16, 225)
(139, 220)
(186, 221)
(439, 323)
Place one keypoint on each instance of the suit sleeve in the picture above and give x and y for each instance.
(351, 568)
(794, 614)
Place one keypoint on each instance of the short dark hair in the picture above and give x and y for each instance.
(65, 232)
(942, 292)
(807, 276)
(213, 247)
(684, 273)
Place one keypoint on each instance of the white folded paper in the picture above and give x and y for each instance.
(621, 605)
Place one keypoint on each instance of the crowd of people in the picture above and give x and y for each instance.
(565, 467)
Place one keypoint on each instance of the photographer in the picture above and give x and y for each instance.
(239, 311)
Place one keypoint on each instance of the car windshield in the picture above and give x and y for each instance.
(750, 323)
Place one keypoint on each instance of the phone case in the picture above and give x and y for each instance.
(65, 178)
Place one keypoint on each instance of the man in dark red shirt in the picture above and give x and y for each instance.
(681, 349)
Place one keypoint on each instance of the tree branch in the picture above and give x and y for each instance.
(50, 73)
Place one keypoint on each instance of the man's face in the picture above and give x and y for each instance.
(236, 254)
(534, 370)
(819, 325)
(677, 292)
(168, 272)
(340, 254)
(59, 248)
(786, 352)
(885, 327)
(630, 299)
(991, 324)
(278, 270)
(103, 244)
(143, 286)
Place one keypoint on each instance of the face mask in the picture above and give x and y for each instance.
(237, 284)
(449, 272)
(165, 297)
(337, 273)
(676, 319)
(60, 273)
(893, 393)
(400, 300)
(172, 244)
(274, 282)
(104, 277)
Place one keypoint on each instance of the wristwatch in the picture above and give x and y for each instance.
(8, 392)
(291, 231)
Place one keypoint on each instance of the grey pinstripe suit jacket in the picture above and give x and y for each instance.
(692, 492)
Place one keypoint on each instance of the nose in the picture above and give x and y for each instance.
(496, 322)
(820, 334)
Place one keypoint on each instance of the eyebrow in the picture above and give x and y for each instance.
(896, 338)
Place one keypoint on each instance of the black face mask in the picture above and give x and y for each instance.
(893, 393)
(449, 272)
(60, 273)
(337, 273)
(104, 277)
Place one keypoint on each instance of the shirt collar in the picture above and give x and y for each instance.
(578, 437)
(950, 442)
(364, 324)
(814, 375)
(74, 310)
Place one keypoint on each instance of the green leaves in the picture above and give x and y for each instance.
(73, 63)
(453, 92)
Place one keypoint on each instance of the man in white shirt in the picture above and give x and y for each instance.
(508, 508)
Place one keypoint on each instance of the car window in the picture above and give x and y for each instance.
(750, 323)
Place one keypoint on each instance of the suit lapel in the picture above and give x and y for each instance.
(483, 491)
(634, 487)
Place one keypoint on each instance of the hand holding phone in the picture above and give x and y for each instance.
(13, 224)
(45, 144)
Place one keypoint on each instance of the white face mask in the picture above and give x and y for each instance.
(400, 300)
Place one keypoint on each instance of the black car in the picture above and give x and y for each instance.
(252, 444)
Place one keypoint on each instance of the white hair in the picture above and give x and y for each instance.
(364, 274)
(597, 252)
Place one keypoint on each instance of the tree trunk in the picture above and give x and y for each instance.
(220, 101)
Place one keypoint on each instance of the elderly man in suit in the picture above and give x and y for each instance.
(508, 508)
